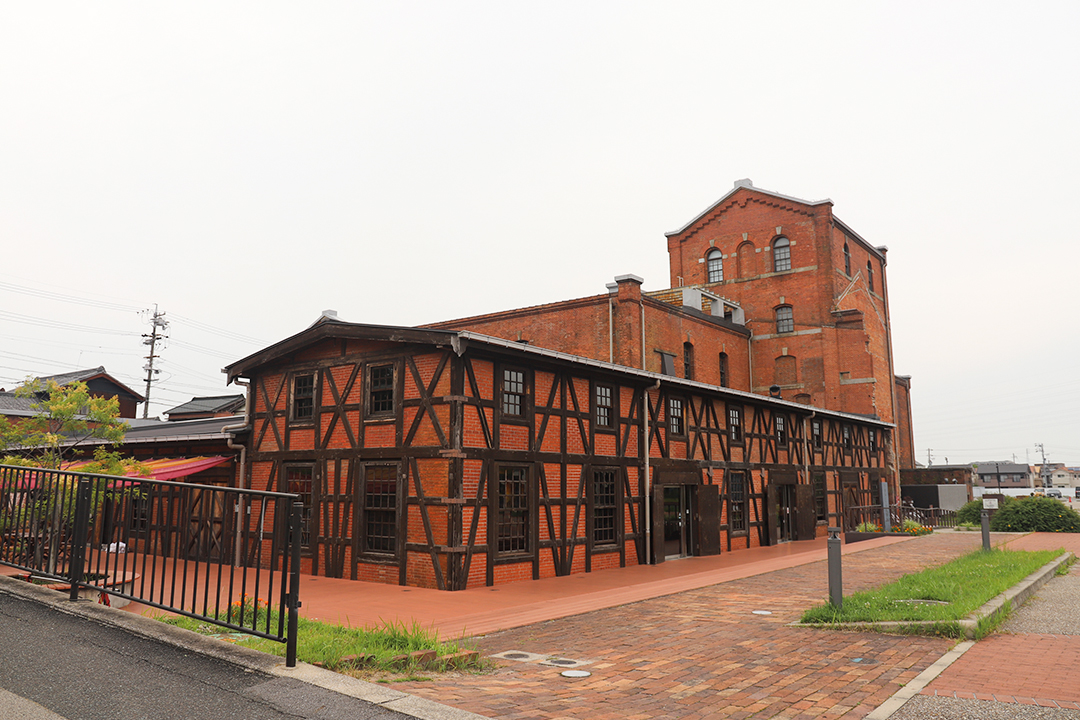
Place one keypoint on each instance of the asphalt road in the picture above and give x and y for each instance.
(58, 666)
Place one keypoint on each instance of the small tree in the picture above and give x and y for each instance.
(66, 417)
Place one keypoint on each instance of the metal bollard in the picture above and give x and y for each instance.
(836, 581)
(986, 529)
(886, 523)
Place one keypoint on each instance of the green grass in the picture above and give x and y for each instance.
(965, 584)
(326, 643)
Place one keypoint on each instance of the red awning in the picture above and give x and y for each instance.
(166, 468)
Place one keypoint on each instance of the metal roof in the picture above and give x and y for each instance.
(460, 339)
(217, 403)
(90, 374)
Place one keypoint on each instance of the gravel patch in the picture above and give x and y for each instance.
(1055, 609)
(924, 707)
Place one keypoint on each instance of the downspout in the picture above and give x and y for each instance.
(229, 430)
(806, 442)
(648, 474)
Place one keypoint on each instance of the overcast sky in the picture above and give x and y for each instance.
(245, 166)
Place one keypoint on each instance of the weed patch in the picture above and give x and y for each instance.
(392, 647)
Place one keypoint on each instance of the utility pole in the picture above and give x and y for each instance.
(1044, 471)
(158, 323)
(929, 462)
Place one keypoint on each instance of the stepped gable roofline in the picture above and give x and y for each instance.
(746, 184)
(88, 375)
(461, 340)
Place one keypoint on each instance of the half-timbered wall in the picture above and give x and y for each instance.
(422, 466)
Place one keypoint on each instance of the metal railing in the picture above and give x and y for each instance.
(221, 555)
(872, 515)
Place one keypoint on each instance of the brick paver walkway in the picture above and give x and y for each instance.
(704, 653)
(1024, 668)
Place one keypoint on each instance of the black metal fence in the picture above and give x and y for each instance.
(221, 555)
(870, 517)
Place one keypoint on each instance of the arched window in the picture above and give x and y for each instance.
(688, 360)
(870, 275)
(847, 260)
(746, 260)
(723, 369)
(714, 263)
(781, 254)
(785, 321)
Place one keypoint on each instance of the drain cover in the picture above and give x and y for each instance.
(564, 662)
(575, 673)
(519, 656)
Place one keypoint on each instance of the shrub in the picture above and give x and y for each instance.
(972, 511)
(1035, 514)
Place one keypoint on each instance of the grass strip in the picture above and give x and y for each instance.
(945, 593)
(330, 645)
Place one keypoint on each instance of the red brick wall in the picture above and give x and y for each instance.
(841, 362)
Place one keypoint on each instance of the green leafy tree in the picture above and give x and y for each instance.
(66, 418)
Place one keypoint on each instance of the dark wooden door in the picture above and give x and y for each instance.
(707, 519)
(805, 513)
(206, 526)
(657, 523)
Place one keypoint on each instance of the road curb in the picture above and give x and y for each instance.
(1012, 598)
(243, 657)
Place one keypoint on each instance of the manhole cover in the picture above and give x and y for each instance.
(564, 662)
(575, 673)
(519, 656)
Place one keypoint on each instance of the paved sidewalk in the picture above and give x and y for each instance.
(704, 653)
(1030, 668)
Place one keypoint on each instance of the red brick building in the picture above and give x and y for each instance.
(611, 430)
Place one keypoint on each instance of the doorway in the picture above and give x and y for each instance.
(678, 521)
(787, 506)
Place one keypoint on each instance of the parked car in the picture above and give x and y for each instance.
(1053, 492)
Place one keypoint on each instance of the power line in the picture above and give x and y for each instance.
(58, 325)
(49, 295)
